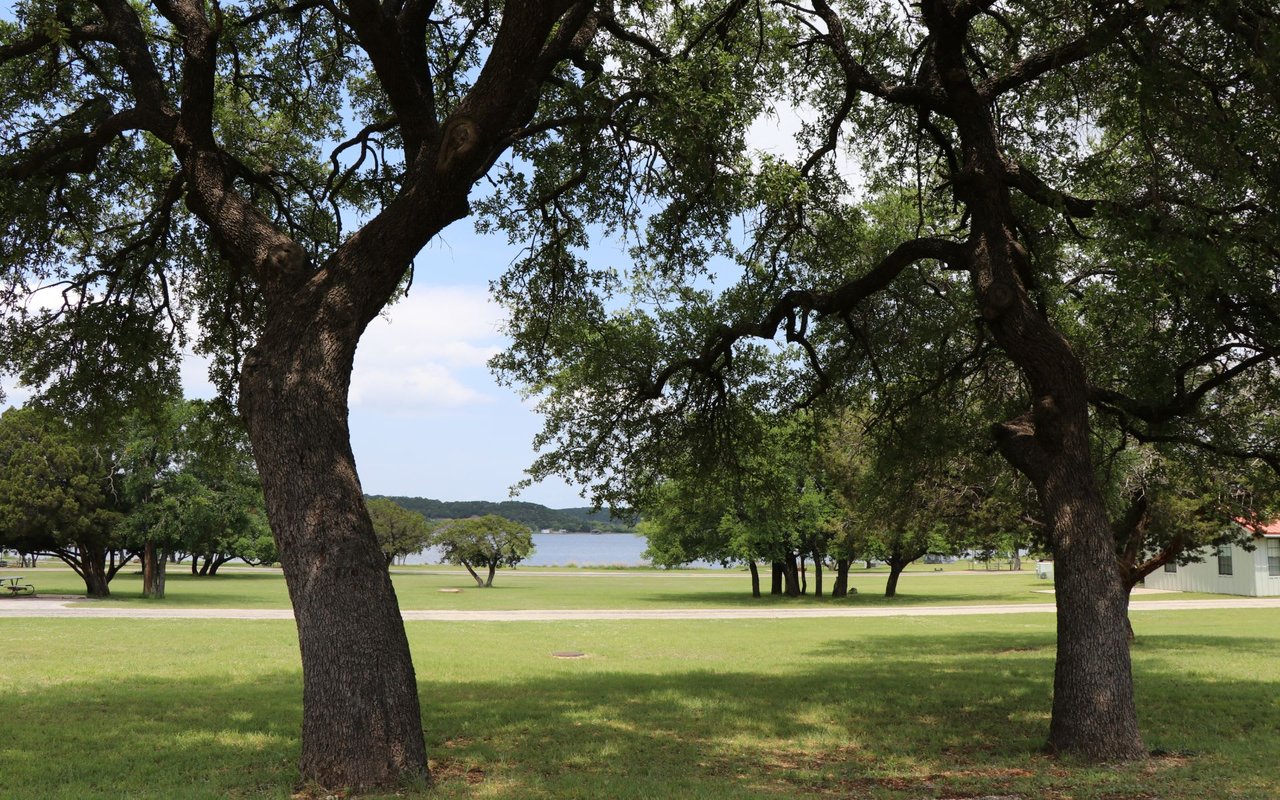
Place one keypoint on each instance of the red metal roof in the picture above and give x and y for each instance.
(1268, 529)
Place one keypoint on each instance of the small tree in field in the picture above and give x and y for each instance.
(400, 532)
(489, 541)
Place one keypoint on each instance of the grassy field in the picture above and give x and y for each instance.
(421, 589)
(867, 708)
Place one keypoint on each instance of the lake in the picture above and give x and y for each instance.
(578, 549)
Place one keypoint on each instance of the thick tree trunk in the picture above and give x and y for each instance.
(895, 571)
(94, 572)
(153, 571)
(776, 578)
(755, 577)
(804, 577)
(841, 586)
(489, 580)
(479, 581)
(361, 723)
(817, 575)
(1093, 708)
(791, 576)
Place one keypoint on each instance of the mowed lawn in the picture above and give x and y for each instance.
(903, 707)
(420, 588)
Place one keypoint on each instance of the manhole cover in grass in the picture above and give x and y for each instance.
(451, 591)
(569, 654)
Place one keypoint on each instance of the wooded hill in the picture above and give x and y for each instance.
(534, 515)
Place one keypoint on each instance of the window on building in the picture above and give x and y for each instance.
(1273, 557)
(1224, 559)
(1171, 566)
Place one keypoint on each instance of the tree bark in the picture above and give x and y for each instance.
(791, 576)
(1093, 707)
(489, 580)
(776, 578)
(361, 723)
(895, 571)
(479, 581)
(841, 586)
(154, 562)
(804, 576)
(817, 575)
(755, 577)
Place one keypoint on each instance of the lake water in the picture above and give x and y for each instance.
(578, 549)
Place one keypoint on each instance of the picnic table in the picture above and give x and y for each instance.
(16, 587)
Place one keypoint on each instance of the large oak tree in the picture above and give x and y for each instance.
(269, 171)
(1082, 194)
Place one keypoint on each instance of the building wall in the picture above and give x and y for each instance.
(1249, 574)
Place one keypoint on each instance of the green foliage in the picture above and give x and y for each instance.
(487, 541)
(58, 491)
(194, 485)
(400, 532)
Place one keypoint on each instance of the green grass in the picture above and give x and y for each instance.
(420, 589)
(866, 708)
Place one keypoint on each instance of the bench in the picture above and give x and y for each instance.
(16, 587)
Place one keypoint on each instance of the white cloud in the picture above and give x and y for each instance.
(428, 352)
(410, 387)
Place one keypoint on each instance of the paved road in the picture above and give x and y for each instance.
(64, 608)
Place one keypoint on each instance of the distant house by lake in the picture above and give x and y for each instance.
(1229, 569)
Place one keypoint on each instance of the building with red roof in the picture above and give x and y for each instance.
(1230, 568)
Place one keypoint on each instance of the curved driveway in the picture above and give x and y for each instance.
(65, 607)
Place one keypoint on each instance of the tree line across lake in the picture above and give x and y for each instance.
(536, 516)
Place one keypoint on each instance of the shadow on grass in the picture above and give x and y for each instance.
(744, 599)
(885, 716)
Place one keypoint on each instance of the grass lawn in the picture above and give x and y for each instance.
(516, 589)
(867, 708)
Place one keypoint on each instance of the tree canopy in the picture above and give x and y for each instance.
(400, 532)
(61, 494)
(488, 541)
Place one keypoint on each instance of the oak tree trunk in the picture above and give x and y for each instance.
(154, 562)
(755, 577)
(361, 723)
(776, 578)
(489, 580)
(791, 576)
(91, 564)
(817, 575)
(1093, 707)
(895, 572)
(841, 586)
(479, 581)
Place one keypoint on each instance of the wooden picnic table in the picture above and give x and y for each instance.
(16, 587)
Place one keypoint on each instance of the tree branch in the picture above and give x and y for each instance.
(717, 348)
(1038, 64)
